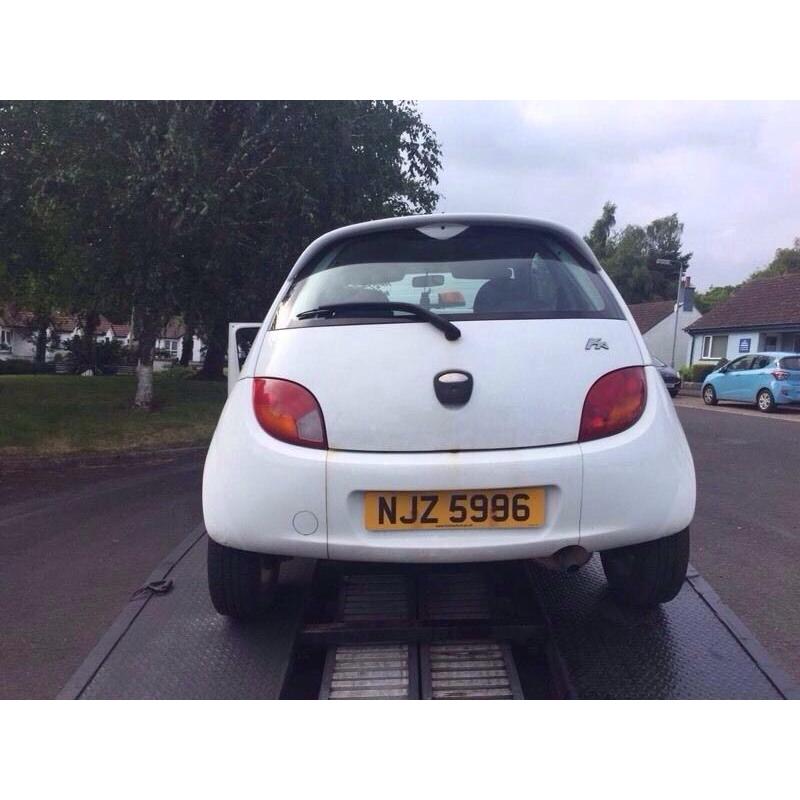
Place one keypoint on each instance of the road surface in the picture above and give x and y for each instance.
(75, 542)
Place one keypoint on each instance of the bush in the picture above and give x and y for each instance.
(21, 366)
(701, 371)
(108, 355)
(179, 372)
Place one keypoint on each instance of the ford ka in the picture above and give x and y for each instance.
(447, 388)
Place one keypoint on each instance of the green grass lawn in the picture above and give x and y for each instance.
(63, 414)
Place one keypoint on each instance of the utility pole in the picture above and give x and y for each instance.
(668, 262)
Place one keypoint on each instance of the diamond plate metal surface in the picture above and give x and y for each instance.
(179, 647)
(680, 650)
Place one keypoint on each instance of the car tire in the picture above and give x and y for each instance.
(649, 573)
(709, 395)
(241, 584)
(673, 392)
(765, 401)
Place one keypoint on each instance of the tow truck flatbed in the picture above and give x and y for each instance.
(508, 630)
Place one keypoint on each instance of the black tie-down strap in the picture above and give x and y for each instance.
(154, 587)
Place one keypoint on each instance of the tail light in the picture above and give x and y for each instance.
(289, 412)
(613, 404)
(780, 374)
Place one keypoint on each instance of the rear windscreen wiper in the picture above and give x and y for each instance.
(379, 309)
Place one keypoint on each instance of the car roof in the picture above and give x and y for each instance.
(421, 220)
(772, 354)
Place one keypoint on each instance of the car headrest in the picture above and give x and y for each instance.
(480, 269)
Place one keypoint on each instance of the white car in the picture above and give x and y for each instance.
(447, 388)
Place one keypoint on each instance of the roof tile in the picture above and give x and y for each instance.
(767, 301)
(648, 315)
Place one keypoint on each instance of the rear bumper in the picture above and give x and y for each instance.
(263, 495)
(785, 392)
(558, 469)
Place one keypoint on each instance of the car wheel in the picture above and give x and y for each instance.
(649, 573)
(765, 401)
(673, 392)
(241, 584)
(709, 396)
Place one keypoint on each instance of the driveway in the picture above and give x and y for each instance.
(75, 542)
(746, 532)
(784, 413)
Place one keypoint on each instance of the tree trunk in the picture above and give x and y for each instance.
(144, 386)
(214, 361)
(41, 345)
(91, 321)
(144, 369)
(188, 347)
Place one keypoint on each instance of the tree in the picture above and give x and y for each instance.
(630, 256)
(600, 236)
(25, 278)
(705, 301)
(785, 262)
(300, 169)
(199, 208)
(627, 264)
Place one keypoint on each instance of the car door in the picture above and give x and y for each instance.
(732, 385)
(755, 378)
(791, 366)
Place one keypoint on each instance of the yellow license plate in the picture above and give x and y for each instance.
(474, 508)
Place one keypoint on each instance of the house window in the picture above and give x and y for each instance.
(5, 338)
(714, 347)
(172, 345)
(770, 343)
(796, 347)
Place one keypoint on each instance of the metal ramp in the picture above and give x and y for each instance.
(478, 670)
(442, 669)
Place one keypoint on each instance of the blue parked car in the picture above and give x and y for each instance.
(766, 379)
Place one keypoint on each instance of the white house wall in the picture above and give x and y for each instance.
(21, 346)
(197, 348)
(736, 341)
(24, 347)
(659, 338)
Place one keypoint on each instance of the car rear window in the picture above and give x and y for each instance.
(791, 362)
(481, 272)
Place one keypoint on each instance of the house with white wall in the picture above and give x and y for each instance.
(18, 336)
(169, 344)
(656, 323)
(113, 331)
(16, 333)
(761, 316)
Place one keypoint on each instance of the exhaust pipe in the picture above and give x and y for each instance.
(567, 559)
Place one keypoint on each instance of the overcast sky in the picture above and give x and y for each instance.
(730, 170)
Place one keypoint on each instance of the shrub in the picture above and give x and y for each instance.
(108, 355)
(21, 366)
(701, 371)
(179, 372)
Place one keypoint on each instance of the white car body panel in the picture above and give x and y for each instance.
(373, 381)
(350, 474)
